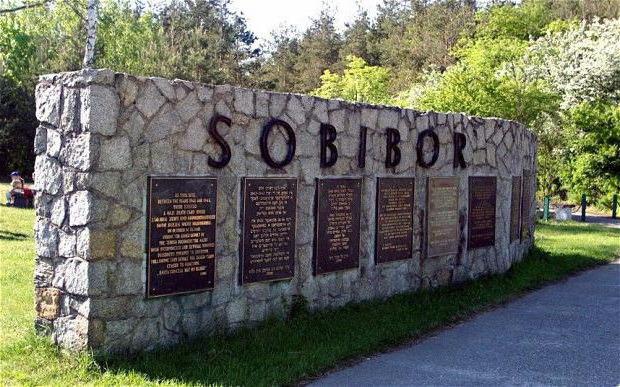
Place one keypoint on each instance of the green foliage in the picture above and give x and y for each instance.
(131, 42)
(487, 82)
(278, 71)
(201, 40)
(206, 41)
(357, 39)
(319, 49)
(296, 62)
(409, 37)
(564, 85)
(581, 64)
(593, 153)
(40, 40)
(514, 21)
(359, 82)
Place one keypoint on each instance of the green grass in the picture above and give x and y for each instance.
(278, 352)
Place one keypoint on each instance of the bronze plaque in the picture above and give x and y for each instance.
(526, 203)
(515, 209)
(180, 235)
(394, 219)
(268, 236)
(442, 221)
(481, 219)
(337, 224)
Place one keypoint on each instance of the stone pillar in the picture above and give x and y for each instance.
(73, 242)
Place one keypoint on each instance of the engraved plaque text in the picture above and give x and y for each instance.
(442, 216)
(481, 219)
(268, 239)
(180, 235)
(394, 219)
(337, 224)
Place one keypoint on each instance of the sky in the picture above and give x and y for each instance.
(264, 16)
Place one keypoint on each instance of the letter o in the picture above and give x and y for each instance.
(420, 148)
(264, 147)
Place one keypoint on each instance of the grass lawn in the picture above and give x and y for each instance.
(279, 352)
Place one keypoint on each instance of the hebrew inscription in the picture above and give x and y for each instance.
(180, 235)
(268, 245)
(442, 216)
(481, 219)
(337, 224)
(515, 208)
(394, 219)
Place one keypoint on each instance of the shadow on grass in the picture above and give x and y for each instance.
(576, 227)
(12, 236)
(304, 346)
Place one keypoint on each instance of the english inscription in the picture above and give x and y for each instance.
(481, 219)
(442, 216)
(268, 239)
(515, 208)
(337, 224)
(394, 219)
(180, 235)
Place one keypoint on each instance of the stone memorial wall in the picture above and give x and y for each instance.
(171, 209)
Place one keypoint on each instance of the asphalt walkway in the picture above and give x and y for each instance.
(606, 221)
(565, 334)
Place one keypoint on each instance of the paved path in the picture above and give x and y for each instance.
(599, 219)
(564, 334)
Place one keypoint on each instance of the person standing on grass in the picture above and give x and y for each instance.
(17, 187)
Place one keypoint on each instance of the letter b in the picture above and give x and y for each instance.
(328, 136)
(392, 151)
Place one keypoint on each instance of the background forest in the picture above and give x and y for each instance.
(553, 65)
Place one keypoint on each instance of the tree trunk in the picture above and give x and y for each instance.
(91, 33)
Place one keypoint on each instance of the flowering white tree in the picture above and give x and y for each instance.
(581, 64)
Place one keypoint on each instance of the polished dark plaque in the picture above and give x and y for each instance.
(515, 209)
(337, 224)
(394, 219)
(180, 235)
(268, 239)
(442, 221)
(481, 219)
(526, 203)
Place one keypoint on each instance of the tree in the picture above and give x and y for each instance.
(592, 159)
(436, 29)
(357, 39)
(359, 83)
(196, 39)
(410, 36)
(208, 42)
(133, 42)
(279, 71)
(582, 65)
(508, 20)
(33, 40)
(318, 50)
(488, 81)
